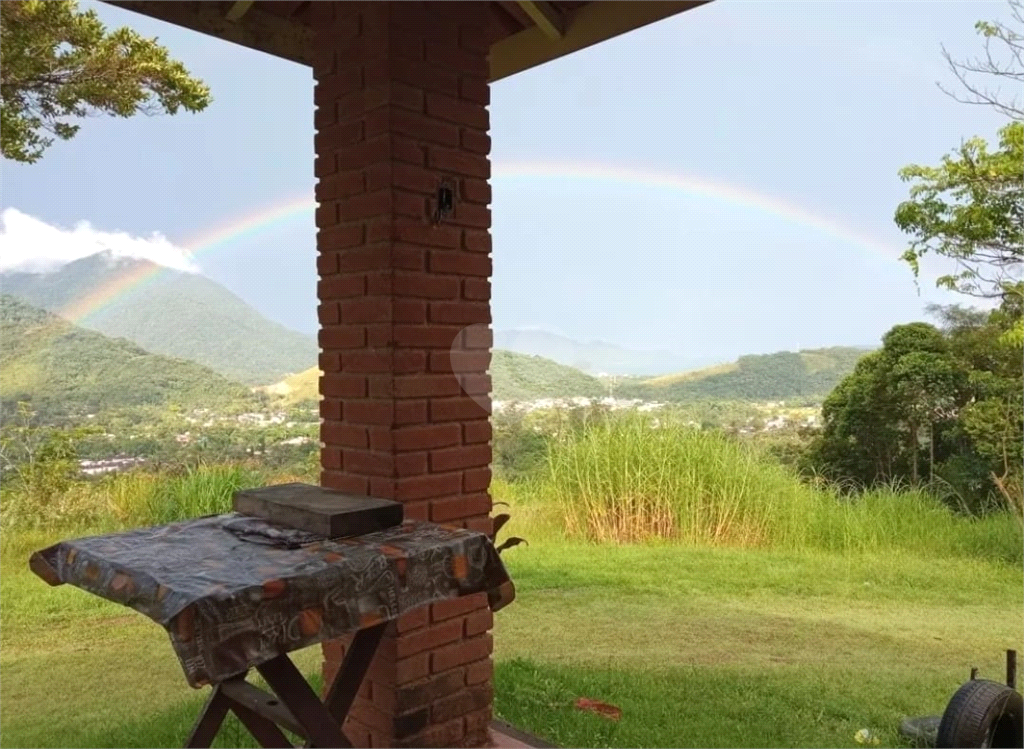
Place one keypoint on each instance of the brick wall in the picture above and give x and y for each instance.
(401, 101)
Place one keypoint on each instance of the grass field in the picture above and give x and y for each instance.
(755, 636)
(699, 647)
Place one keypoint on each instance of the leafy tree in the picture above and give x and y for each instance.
(60, 63)
(993, 419)
(925, 385)
(970, 210)
(519, 448)
(958, 391)
(858, 441)
(875, 418)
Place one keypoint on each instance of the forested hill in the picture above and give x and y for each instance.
(784, 375)
(66, 371)
(521, 377)
(177, 314)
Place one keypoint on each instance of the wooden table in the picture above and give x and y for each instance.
(237, 593)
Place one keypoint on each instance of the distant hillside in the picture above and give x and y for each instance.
(521, 377)
(784, 375)
(593, 357)
(177, 314)
(298, 388)
(764, 377)
(691, 375)
(68, 371)
(513, 377)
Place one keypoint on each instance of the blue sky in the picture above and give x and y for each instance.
(812, 105)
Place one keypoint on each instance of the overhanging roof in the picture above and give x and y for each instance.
(528, 32)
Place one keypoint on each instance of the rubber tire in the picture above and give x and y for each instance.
(982, 713)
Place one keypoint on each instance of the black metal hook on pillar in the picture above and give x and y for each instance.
(445, 200)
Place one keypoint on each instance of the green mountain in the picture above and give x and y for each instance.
(177, 314)
(784, 375)
(66, 371)
(523, 377)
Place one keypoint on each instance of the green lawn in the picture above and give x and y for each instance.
(698, 646)
(743, 648)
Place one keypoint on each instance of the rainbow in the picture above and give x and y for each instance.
(209, 241)
(264, 219)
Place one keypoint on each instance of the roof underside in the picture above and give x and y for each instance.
(528, 32)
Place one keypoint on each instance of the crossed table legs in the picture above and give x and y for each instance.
(294, 705)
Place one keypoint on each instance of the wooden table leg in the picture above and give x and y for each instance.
(264, 730)
(291, 687)
(209, 721)
(354, 666)
(294, 705)
(260, 712)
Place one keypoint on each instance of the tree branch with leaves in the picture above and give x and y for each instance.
(970, 209)
(58, 64)
(1002, 59)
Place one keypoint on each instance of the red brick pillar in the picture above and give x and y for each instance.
(401, 102)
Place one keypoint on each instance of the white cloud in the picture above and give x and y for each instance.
(28, 244)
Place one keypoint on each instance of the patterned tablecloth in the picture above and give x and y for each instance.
(234, 591)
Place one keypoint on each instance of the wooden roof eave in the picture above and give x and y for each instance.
(554, 34)
(591, 24)
(281, 37)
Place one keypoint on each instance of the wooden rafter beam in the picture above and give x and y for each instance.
(257, 30)
(592, 24)
(544, 17)
(239, 9)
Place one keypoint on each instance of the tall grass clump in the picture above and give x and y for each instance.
(192, 493)
(125, 500)
(632, 479)
(25, 508)
(896, 517)
(629, 478)
(120, 501)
